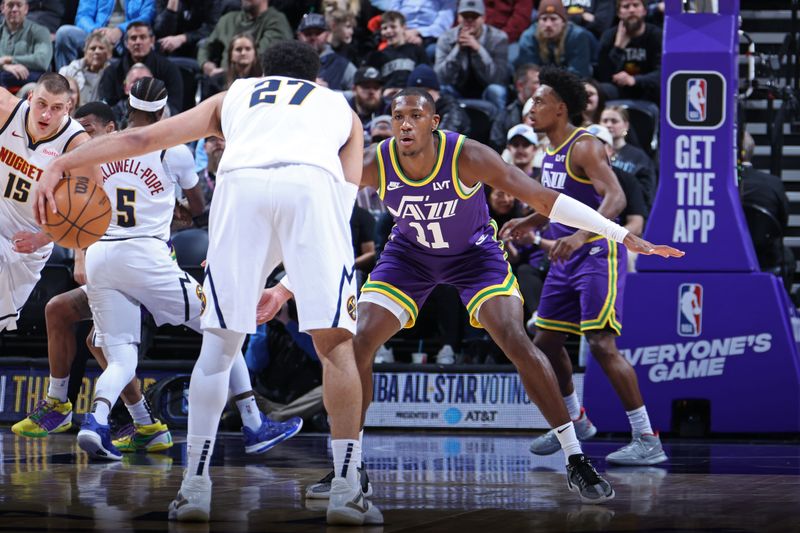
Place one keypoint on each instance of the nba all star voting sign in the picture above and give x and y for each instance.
(709, 326)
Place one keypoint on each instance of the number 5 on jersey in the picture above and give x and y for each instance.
(126, 208)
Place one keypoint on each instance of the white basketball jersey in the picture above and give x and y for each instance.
(278, 120)
(142, 195)
(21, 164)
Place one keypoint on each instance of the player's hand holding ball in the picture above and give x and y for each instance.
(80, 214)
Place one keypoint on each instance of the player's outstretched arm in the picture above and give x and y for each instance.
(190, 125)
(480, 163)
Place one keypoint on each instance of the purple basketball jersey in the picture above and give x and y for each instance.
(437, 213)
(557, 175)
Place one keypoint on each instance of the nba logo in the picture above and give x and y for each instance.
(696, 99)
(690, 309)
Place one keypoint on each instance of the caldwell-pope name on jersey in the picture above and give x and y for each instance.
(133, 166)
(18, 163)
(418, 208)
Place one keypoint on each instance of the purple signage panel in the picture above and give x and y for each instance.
(697, 206)
(729, 339)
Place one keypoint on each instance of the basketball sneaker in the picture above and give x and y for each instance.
(95, 439)
(584, 479)
(153, 437)
(643, 450)
(347, 506)
(548, 443)
(270, 434)
(49, 416)
(193, 502)
(321, 490)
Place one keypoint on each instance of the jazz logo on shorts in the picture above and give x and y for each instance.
(696, 92)
(690, 310)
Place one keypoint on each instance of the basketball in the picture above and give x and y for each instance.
(83, 213)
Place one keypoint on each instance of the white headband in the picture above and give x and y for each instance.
(144, 105)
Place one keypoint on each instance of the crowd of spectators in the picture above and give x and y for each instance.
(480, 60)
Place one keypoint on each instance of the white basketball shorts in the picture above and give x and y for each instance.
(122, 274)
(19, 274)
(298, 215)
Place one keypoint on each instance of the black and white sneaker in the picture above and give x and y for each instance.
(584, 479)
(348, 506)
(321, 490)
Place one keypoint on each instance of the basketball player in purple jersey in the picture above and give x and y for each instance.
(583, 290)
(430, 180)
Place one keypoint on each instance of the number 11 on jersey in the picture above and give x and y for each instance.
(435, 230)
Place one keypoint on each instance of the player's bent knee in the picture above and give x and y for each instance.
(326, 340)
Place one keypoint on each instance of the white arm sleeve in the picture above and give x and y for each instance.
(569, 211)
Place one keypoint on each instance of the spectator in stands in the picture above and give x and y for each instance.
(343, 24)
(242, 63)
(522, 145)
(267, 25)
(362, 228)
(426, 20)
(511, 16)
(336, 72)
(399, 57)
(74, 95)
(366, 99)
(626, 156)
(766, 191)
(453, 117)
(112, 16)
(88, 70)
(120, 109)
(552, 40)
(214, 147)
(526, 81)
(630, 56)
(139, 43)
(472, 58)
(181, 24)
(48, 13)
(593, 15)
(595, 103)
(25, 48)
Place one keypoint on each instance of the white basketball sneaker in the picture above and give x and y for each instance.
(193, 502)
(348, 506)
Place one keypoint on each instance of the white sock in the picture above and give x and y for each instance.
(569, 441)
(251, 416)
(100, 410)
(140, 412)
(573, 405)
(58, 388)
(361, 445)
(640, 422)
(198, 450)
(346, 459)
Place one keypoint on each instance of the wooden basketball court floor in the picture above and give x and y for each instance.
(424, 482)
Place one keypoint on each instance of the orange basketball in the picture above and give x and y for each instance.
(84, 213)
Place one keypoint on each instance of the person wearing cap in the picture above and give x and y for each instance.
(399, 57)
(268, 25)
(336, 72)
(380, 128)
(553, 40)
(630, 55)
(472, 58)
(366, 98)
(522, 145)
(452, 115)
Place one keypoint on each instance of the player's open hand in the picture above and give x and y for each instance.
(641, 246)
(43, 198)
(270, 303)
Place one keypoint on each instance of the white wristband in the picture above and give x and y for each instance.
(571, 212)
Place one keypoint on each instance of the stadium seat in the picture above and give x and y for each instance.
(191, 246)
(480, 122)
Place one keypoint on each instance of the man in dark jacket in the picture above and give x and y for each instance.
(139, 42)
(630, 56)
(526, 81)
(181, 24)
